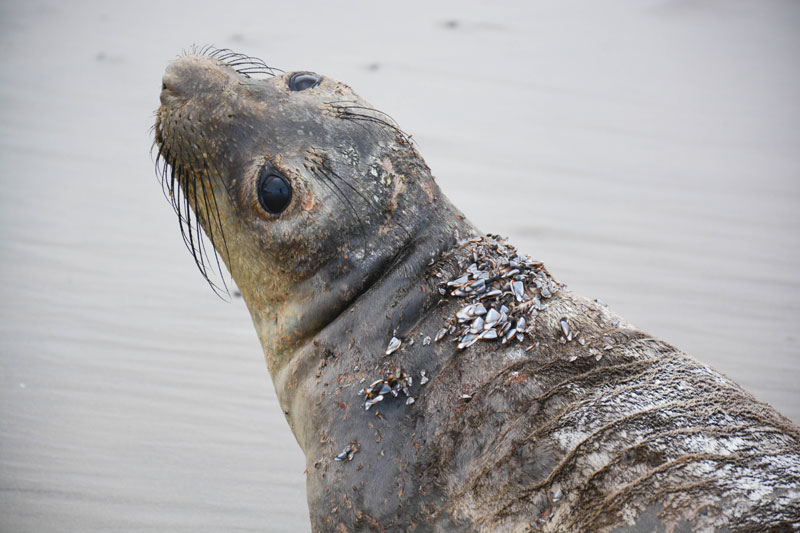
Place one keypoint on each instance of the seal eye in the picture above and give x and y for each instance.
(274, 191)
(300, 81)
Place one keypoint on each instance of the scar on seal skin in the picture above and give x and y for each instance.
(436, 378)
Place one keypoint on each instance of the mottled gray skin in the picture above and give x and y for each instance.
(646, 438)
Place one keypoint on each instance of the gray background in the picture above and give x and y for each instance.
(646, 150)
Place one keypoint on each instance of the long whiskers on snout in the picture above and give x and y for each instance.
(184, 182)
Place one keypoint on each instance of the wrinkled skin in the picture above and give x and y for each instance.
(644, 438)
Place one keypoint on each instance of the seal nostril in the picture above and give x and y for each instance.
(163, 86)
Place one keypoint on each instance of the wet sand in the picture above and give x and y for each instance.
(647, 152)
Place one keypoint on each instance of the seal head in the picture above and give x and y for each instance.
(351, 194)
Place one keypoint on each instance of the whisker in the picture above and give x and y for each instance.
(331, 186)
(348, 110)
(179, 184)
(241, 63)
(354, 105)
(200, 164)
(329, 173)
(330, 170)
(211, 216)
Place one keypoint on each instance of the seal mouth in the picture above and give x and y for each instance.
(183, 187)
(167, 91)
(169, 86)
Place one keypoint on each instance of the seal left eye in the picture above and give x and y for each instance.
(300, 81)
(274, 191)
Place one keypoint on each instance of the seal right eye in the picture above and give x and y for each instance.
(274, 191)
(300, 81)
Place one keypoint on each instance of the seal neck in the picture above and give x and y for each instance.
(318, 302)
(386, 293)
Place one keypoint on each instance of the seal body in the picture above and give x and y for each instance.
(438, 379)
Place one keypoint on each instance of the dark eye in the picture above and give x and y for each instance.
(274, 191)
(300, 81)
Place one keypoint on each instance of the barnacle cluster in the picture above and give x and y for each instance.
(504, 291)
(394, 381)
(348, 452)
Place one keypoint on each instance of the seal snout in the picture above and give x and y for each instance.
(174, 81)
(190, 75)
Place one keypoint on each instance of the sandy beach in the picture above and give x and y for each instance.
(647, 151)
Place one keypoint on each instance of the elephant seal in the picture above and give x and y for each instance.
(436, 378)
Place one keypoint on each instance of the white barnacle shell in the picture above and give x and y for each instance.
(370, 403)
(478, 310)
(491, 318)
(477, 325)
(394, 344)
(488, 334)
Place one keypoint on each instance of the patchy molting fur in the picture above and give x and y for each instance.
(500, 439)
